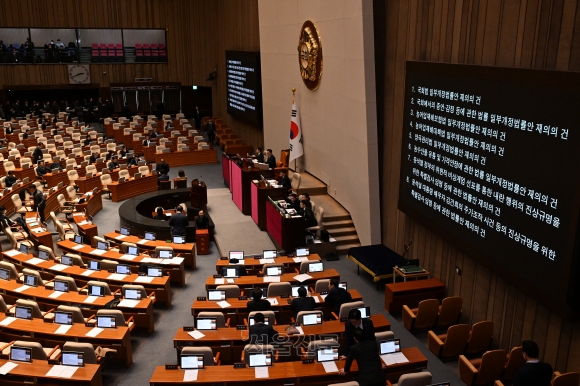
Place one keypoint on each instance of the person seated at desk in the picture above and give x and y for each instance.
(162, 167)
(534, 372)
(160, 215)
(306, 212)
(123, 151)
(257, 303)
(8, 130)
(113, 164)
(25, 134)
(293, 203)
(302, 302)
(93, 158)
(41, 169)
(132, 161)
(366, 354)
(54, 130)
(336, 296)
(110, 155)
(146, 141)
(6, 222)
(179, 222)
(270, 160)
(56, 165)
(201, 221)
(304, 196)
(10, 179)
(261, 333)
(153, 135)
(259, 155)
(356, 322)
(284, 181)
(162, 177)
(168, 126)
(87, 141)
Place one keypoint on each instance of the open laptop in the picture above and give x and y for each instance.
(60, 286)
(72, 358)
(178, 239)
(78, 239)
(327, 354)
(302, 252)
(66, 260)
(316, 267)
(365, 312)
(389, 346)
(260, 359)
(133, 294)
(102, 245)
(230, 272)
(133, 251)
(23, 248)
(149, 236)
(123, 269)
(154, 272)
(23, 312)
(106, 321)
(238, 255)
(251, 320)
(216, 295)
(206, 323)
(295, 289)
(4, 274)
(42, 254)
(21, 354)
(163, 254)
(191, 361)
(30, 280)
(274, 271)
(96, 290)
(125, 231)
(270, 254)
(312, 319)
(61, 317)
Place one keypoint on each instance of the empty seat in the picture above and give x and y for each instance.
(232, 290)
(482, 371)
(219, 316)
(208, 358)
(480, 337)
(423, 317)
(423, 378)
(451, 344)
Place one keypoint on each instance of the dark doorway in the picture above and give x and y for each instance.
(202, 97)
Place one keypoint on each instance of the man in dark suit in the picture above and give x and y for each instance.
(146, 141)
(210, 129)
(93, 158)
(162, 177)
(366, 354)
(197, 116)
(302, 302)
(336, 296)
(283, 180)
(201, 221)
(534, 372)
(257, 303)
(87, 140)
(162, 167)
(10, 179)
(37, 153)
(113, 164)
(179, 222)
(293, 203)
(41, 169)
(153, 135)
(356, 322)
(306, 212)
(259, 155)
(38, 200)
(261, 333)
(17, 109)
(270, 160)
(8, 130)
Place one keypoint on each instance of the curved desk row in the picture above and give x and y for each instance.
(37, 369)
(257, 281)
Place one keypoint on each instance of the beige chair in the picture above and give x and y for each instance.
(12, 272)
(91, 355)
(77, 315)
(55, 219)
(422, 317)
(72, 285)
(482, 371)
(271, 265)
(451, 344)
(71, 192)
(105, 181)
(314, 345)
(36, 313)
(384, 335)
(423, 378)
(37, 351)
(345, 309)
(64, 208)
(480, 337)
(16, 241)
(77, 260)
(270, 316)
(449, 311)
(3, 305)
(319, 215)
(120, 319)
(321, 285)
(279, 289)
(295, 182)
(515, 361)
(136, 287)
(567, 379)
(107, 264)
(96, 239)
(208, 358)
(91, 169)
(106, 289)
(256, 348)
(71, 161)
(125, 174)
(8, 166)
(125, 246)
(232, 290)
(47, 250)
(144, 170)
(31, 272)
(18, 206)
(15, 153)
(221, 321)
(300, 315)
(64, 234)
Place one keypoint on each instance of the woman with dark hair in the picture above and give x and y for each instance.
(160, 215)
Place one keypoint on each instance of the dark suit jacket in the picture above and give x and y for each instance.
(336, 298)
(262, 333)
(112, 165)
(534, 374)
(366, 354)
(201, 222)
(271, 161)
(92, 159)
(37, 155)
(259, 305)
(162, 168)
(146, 142)
(285, 182)
(308, 217)
(368, 329)
(86, 142)
(293, 205)
(260, 157)
(179, 222)
(302, 304)
(153, 135)
(10, 180)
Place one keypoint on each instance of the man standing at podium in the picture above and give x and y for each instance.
(201, 221)
(179, 222)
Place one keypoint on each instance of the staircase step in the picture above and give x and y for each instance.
(343, 249)
(337, 232)
(336, 224)
(340, 240)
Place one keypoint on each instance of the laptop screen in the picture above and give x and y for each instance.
(342, 284)
(61, 286)
(295, 290)
(23, 312)
(61, 317)
(316, 267)
(70, 358)
(163, 254)
(390, 346)
(365, 312)
(4, 274)
(65, 260)
(78, 239)
(106, 322)
(123, 269)
(270, 254)
(43, 255)
(178, 240)
(125, 231)
(216, 295)
(96, 290)
(149, 236)
(20, 354)
(30, 280)
(103, 246)
(327, 354)
(252, 321)
(23, 249)
(301, 252)
(237, 255)
(132, 294)
(132, 251)
(311, 319)
(154, 272)
(191, 361)
(230, 272)
(94, 265)
(206, 324)
(273, 271)
(260, 359)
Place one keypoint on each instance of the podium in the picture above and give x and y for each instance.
(202, 241)
(260, 193)
(287, 233)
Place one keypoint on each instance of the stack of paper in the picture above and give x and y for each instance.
(190, 375)
(12, 253)
(219, 281)
(22, 288)
(330, 367)
(78, 214)
(302, 277)
(128, 257)
(90, 299)
(34, 261)
(273, 301)
(59, 267)
(94, 332)
(63, 329)
(144, 279)
(55, 294)
(223, 304)
(117, 276)
(262, 372)
(60, 371)
(267, 261)
(98, 252)
(391, 359)
(130, 303)
(7, 367)
(271, 279)
(120, 237)
(88, 272)
(196, 334)
(84, 222)
(7, 321)
(300, 259)
(143, 241)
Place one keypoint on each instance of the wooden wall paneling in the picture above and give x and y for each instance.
(508, 34)
(542, 34)
(566, 33)
(481, 292)
(508, 314)
(493, 16)
(457, 21)
(569, 348)
(541, 320)
(574, 62)
(554, 329)
(554, 29)
(435, 29)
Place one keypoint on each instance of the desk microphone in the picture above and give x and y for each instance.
(407, 248)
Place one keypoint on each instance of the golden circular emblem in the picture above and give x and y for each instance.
(310, 55)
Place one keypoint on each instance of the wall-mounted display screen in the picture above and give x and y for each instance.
(244, 86)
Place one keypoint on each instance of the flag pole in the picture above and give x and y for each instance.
(293, 97)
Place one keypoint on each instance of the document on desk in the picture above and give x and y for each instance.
(316, 299)
(220, 281)
(302, 277)
(144, 279)
(88, 272)
(300, 330)
(394, 358)
(151, 260)
(117, 276)
(55, 294)
(323, 297)
(79, 246)
(5, 369)
(7, 321)
(128, 257)
(143, 241)
(12, 253)
(94, 332)
(22, 288)
(223, 304)
(190, 375)
(273, 301)
(300, 259)
(59, 267)
(129, 303)
(266, 261)
(121, 237)
(230, 281)
(38, 230)
(34, 261)
(97, 252)
(78, 214)
(271, 279)
(90, 299)
(59, 371)
(261, 372)
(84, 222)
(63, 329)
(196, 334)
(330, 367)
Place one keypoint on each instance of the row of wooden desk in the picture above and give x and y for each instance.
(37, 370)
(252, 264)
(253, 281)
